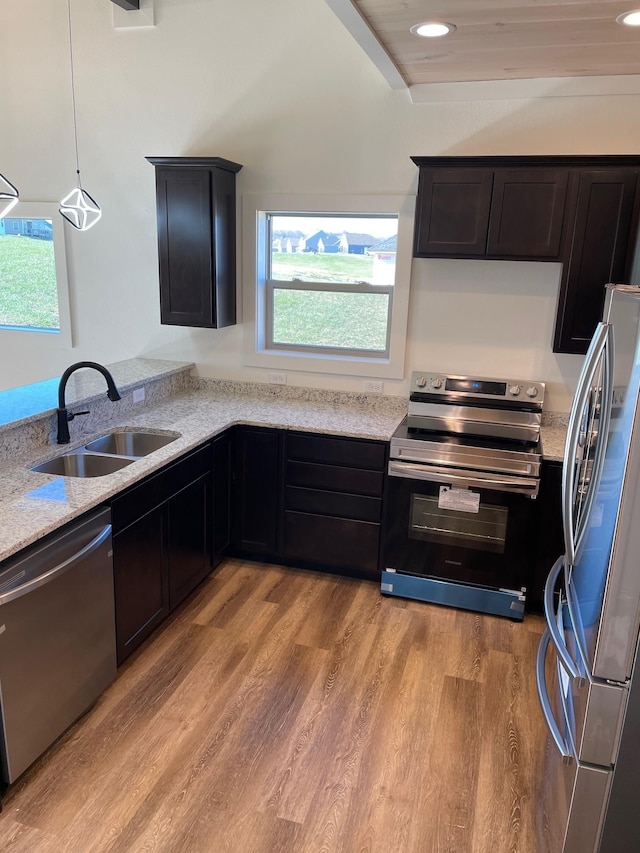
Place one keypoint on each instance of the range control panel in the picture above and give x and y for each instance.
(476, 386)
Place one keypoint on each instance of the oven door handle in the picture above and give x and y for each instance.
(416, 471)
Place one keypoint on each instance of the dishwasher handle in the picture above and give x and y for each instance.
(51, 574)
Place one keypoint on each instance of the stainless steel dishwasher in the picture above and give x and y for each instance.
(57, 637)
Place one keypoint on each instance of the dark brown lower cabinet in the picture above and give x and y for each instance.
(316, 505)
(188, 535)
(161, 545)
(256, 491)
(550, 538)
(222, 449)
(141, 580)
(333, 503)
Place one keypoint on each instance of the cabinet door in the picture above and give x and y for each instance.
(140, 580)
(257, 486)
(188, 538)
(527, 212)
(222, 498)
(597, 255)
(184, 246)
(452, 213)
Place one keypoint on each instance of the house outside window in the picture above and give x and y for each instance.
(327, 285)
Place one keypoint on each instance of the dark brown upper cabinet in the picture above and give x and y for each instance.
(487, 213)
(452, 212)
(527, 212)
(600, 251)
(196, 211)
(583, 211)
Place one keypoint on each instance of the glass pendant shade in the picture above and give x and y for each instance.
(78, 207)
(80, 210)
(9, 196)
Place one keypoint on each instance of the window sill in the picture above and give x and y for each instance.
(320, 363)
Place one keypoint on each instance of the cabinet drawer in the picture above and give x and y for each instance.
(334, 478)
(159, 487)
(359, 507)
(352, 452)
(332, 542)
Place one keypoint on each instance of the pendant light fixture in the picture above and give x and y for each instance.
(78, 207)
(9, 196)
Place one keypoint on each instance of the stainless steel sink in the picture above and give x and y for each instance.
(131, 443)
(82, 465)
(106, 454)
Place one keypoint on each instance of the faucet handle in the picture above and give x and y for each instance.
(72, 415)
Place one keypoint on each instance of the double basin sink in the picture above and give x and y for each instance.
(106, 454)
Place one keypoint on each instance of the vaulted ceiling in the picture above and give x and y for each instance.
(494, 39)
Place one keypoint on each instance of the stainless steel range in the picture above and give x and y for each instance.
(464, 467)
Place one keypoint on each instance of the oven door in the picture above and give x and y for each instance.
(463, 527)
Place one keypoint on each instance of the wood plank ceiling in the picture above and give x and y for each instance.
(503, 39)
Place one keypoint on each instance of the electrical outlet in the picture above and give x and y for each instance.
(278, 378)
(138, 395)
(372, 386)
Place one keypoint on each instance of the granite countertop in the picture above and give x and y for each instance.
(553, 440)
(33, 504)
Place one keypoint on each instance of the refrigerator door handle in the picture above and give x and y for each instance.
(545, 703)
(574, 438)
(553, 629)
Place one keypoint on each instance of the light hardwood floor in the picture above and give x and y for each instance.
(284, 711)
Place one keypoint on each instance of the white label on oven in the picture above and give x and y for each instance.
(460, 499)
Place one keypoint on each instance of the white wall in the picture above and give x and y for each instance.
(281, 87)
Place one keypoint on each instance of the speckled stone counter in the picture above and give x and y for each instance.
(553, 440)
(33, 504)
(554, 434)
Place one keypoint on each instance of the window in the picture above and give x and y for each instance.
(33, 275)
(329, 289)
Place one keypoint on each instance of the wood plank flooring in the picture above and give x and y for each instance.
(284, 711)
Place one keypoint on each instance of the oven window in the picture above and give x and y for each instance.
(484, 530)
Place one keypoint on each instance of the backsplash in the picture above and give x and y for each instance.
(36, 433)
(373, 402)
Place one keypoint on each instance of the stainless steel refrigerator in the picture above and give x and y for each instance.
(587, 668)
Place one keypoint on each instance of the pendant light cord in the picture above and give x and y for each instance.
(73, 93)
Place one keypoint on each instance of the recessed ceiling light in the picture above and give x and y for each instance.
(432, 29)
(630, 19)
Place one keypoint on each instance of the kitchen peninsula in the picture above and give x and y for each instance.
(34, 504)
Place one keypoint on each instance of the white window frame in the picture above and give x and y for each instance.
(64, 336)
(256, 249)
